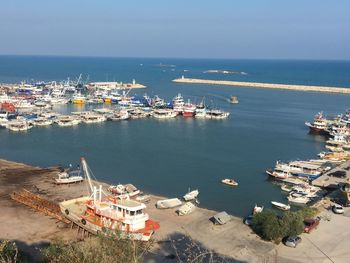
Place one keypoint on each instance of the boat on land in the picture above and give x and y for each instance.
(69, 177)
(105, 214)
(168, 203)
(124, 190)
(230, 182)
(186, 209)
(191, 195)
(18, 126)
(281, 206)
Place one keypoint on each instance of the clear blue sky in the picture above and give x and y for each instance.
(298, 29)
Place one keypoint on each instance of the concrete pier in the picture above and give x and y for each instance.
(265, 85)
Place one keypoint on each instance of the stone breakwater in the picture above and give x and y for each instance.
(265, 85)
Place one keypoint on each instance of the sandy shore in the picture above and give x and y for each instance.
(265, 85)
(234, 240)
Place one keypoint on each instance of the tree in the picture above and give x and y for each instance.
(293, 224)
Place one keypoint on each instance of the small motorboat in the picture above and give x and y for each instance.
(298, 199)
(286, 188)
(257, 209)
(233, 100)
(230, 182)
(191, 195)
(281, 206)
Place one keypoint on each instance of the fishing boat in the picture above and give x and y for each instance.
(18, 125)
(66, 121)
(178, 103)
(164, 113)
(93, 118)
(124, 190)
(168, 203)
(281, 206)
(191, 195)
(101, 213)
(119, 115)
(188, 109)
(279, 174)
(217, 114)
(42, 122)
(186, 209)
(69, 177)
(230, 182)
(286, 188)
(319, 125)
(79, 99)
(201, 110)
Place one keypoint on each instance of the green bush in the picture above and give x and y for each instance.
(8, 252)
(309, 212)
(273, 228)
(101, 249)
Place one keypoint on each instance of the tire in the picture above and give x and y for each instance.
(83, 221)
(66, 212)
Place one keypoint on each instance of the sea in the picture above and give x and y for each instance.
(169, 157)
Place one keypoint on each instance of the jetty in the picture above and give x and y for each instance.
(306, 88)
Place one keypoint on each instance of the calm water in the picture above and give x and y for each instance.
(167, 156)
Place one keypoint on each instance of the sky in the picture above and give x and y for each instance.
(232, 29)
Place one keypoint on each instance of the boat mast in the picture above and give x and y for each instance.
(87, 173)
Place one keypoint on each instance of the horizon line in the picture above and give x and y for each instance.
(182, 58)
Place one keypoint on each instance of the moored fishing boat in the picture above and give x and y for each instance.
(164, 113)
(319, 125)
(16, 125)
(188, 109)
(119, 115)
(66, 121)
(93, 118)
(42, 122)
(216, 114)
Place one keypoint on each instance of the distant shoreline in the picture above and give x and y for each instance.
(323, 89)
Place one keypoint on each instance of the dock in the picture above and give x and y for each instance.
(332, 182)
(305, 88)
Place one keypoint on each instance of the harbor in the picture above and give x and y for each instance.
(306, 88)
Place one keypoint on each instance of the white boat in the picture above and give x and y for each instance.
(281, 206)
(186, 209)
(286, 188)
(119, 116)
(191, 195)
(230, 182)
(93, 118)
(257, 209)
(126, 191)
(66, 121)
(298, 199)
(216, 114)
(69, 178)
(18, 126)
(168, 203)
(42, 122)
(164, 113)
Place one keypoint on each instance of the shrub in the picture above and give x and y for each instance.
(308, 212)
(95, 250)
(8, 252)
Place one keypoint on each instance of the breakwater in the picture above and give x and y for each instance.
(265, 85)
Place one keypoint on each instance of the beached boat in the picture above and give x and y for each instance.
(168, 203)
(100, 213)
(124, 190)
(186, 209)
(230, 182)
(191, 195)
(69, 177)
(281, 206)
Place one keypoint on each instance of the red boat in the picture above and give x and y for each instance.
(7, 106)
(189, 109)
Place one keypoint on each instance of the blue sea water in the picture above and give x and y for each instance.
(166, 157)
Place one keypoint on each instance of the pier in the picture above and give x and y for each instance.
(306, 88)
